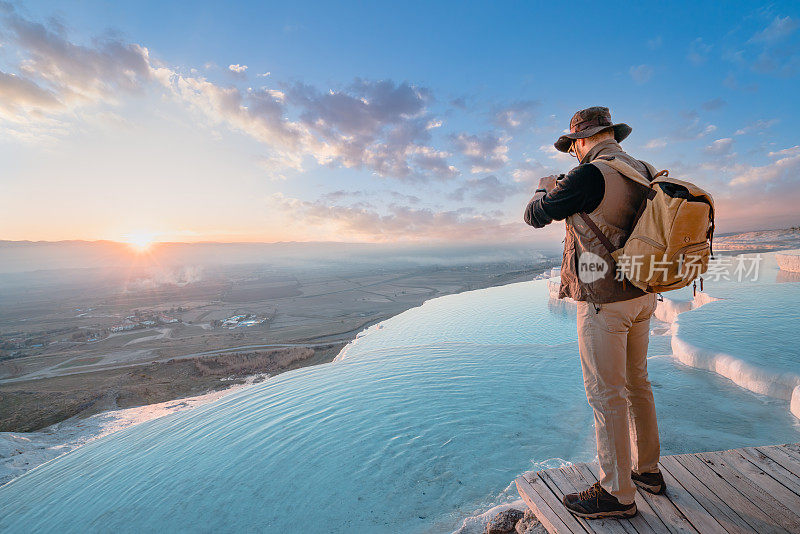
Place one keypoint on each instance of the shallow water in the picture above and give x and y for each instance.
(756, 321)
(424, 420)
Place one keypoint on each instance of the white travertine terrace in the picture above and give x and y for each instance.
(789, 260)
(784, 386)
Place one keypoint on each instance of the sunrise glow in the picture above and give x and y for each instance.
(139, 241)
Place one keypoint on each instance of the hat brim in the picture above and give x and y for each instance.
(621, 131)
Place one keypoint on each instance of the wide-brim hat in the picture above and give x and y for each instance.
(588, 122)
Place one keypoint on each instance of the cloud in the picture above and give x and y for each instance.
(485, 153)
(715, 103)
(781, 61)
(691, 128)
(344, 196)
(720, 146)
(408, 199)
(641, 74)
(679, 128)
(56, 77)
(769, 51)
(75, 72)
(791, 152)
(698, 51)
(757, 126)
(515, 116)
(398, 222)
(785, 168)
(488, 189)
(778, 29)
(279, 96)
(709, 128)
(655, 43)
(731, 82)
(658, 142)
(459, 102)
(557, 155)
(434, 161)
(20, 95)
(258, 114)
(361, 110)
(529, 172)
(379, 125)
(339, 195)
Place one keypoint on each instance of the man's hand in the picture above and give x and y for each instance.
(548, 182)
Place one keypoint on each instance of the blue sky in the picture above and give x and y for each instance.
(378, 121)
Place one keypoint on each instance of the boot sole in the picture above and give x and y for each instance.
(619, 514)
(655, 490)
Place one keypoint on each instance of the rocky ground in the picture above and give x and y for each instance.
(513, 520)
(31, 405)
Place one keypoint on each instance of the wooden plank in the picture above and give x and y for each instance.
(547, 517)
(740, 491)
(744, 507)
(638, 523)
(692, 510)
(645, 510)
(550, 512)
(792, 447)
(784, 495)
(780, 456)
(556, 481)
(782, 515)
(792, 450)
(666, 513)
(707, 498)
(772, 468)
(568, 480)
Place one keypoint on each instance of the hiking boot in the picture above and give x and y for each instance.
(596, 503)
(652, 482)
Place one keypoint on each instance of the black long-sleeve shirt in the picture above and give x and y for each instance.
(581, 189)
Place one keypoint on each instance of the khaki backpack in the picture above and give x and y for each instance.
(669, 244)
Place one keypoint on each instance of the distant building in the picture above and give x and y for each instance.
(238, 321)
(124, 327)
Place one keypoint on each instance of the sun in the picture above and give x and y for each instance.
(139, 241)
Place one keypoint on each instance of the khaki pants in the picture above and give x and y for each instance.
(613, 347)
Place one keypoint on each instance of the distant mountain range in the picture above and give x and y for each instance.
(29, 256)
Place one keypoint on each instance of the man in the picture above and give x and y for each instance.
(613, 317)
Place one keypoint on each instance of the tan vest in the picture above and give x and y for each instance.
(614, 216)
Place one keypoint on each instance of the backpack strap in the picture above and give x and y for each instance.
(626, 170)
(632, 174)
(629, 172)
(598, 232)
(652, 171)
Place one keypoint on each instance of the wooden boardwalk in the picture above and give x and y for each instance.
(752, 490)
